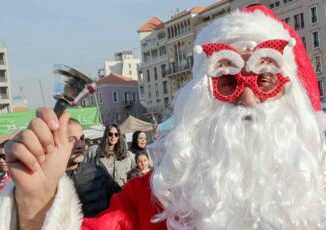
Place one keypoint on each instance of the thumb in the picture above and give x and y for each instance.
(61, 135)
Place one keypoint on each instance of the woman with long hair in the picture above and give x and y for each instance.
(112, 154)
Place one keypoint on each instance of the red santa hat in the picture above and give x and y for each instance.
(305, 71)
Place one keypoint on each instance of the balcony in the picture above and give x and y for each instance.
(177, 69)
(4, 96)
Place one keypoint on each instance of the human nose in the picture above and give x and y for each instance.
(79, 145)
(248, 98)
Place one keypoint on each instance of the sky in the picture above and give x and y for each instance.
(83, 34)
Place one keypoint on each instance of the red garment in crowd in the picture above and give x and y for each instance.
(131, 209)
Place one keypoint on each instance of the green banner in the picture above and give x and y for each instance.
(10, 122)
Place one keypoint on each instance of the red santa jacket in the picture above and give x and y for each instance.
(131, 209)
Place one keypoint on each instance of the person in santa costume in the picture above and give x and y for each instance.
(247, 150)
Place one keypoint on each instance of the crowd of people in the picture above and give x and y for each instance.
(98, 170)
(247, 150)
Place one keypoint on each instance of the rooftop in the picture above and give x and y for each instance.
(116, 79)
(150, 25)
(214, 5)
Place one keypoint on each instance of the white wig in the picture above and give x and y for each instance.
(230, 167)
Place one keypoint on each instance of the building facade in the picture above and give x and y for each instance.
(5, 88)
(117, 98)
(124, 63)
(167, 53)
(154, 85)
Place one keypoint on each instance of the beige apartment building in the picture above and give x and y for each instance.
(5, 93)
(167, 53)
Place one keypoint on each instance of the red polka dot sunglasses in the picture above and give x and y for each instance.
(261, 72)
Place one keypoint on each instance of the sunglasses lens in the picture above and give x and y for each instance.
(267, 82)
(115, 134)
(225, 85)
(3, 156)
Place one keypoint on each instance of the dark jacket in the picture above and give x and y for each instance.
(94, 187)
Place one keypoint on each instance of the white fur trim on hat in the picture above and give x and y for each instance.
(198, 49)
(291, 42)
(260, 53)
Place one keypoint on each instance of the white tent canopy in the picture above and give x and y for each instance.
(133, 124)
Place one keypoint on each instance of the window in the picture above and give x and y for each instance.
(317, 63)
(287, 20)
(140, 76)
(287, 1)
(149, 91)
(163, 70)
(127, 97)
(321, 87)
(154, 53)
(162, 50)
(274, 4)
(2, 58)
(304, 41)
(165, 87)
(166, 102)
(134, 97)
(155, 73)
(130, 73)
(298, 21)
(313, 15)
(156, 90)
(3, 76)
(141, 89)
(115, 97)
(100, 98)
(315, 39)
(148, 76)
(147, 56)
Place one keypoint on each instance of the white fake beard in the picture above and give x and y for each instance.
(243, 168)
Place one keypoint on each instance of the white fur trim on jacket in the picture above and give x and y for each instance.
(65, 212)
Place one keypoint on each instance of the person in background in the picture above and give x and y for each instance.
(139, 142)
(143, 165)
(4, 177)
(112, 154)
(93, 184)
(139, 145)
